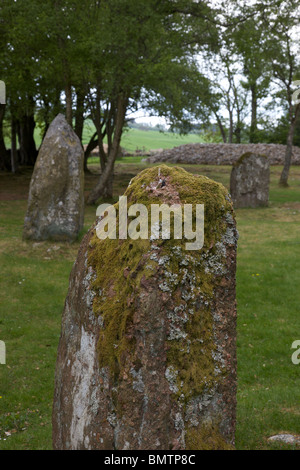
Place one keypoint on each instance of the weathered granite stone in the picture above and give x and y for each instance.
(147, 354)
(56, 199)
(249, 181)
(290, 439)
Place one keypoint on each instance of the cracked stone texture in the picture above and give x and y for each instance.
(142, 400)
(249, 181)
(56, 195)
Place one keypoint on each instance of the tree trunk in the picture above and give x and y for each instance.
(289, 148)
(46, 116)
(98, 125)
(237, 133)
(68, 92)
(28, 150)
(91, 146)
(14, 155)
(253, 125)
(230, 136)
(221, 127)
(108, 191)
(79, 114)
(238, 128)
(104, 186)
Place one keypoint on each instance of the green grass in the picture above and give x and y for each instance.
(34, 283)
(145, 140)
(137, 139)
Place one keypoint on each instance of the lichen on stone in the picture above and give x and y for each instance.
(187, 280)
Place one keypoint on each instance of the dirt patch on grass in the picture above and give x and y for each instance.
(293, 410)
(15, 187)
(291, 205)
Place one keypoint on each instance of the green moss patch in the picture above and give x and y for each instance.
(245, 156)
(122, 265)
(206, 438)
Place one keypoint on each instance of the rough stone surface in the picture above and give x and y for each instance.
(249, 181)
(286, 439)
(223, 154)
(147, 354)
(56, 199)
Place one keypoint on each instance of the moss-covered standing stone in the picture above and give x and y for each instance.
(249, 181)
(56, 195)
(147, 355)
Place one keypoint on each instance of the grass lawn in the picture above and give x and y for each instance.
(34, 283)
(134, 139)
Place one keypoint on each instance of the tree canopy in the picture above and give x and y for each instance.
(185, 60)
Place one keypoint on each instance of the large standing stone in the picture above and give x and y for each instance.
(56, 199)
(249, 181)
(147, 354)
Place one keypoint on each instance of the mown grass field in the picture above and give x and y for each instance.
(34, 283)
(135, 139)
(145, 140)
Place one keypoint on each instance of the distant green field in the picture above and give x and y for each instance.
(134, 139)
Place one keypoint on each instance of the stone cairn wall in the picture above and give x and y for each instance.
(56, 195)
(223, 154)
(147, 354)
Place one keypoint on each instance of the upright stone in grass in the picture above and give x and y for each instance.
(56, 200)
(249, 182)
(147, 354)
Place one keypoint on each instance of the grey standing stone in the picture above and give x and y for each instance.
(56, 195)
(147, 354)
(249, 181)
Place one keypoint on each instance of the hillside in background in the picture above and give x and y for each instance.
(147, 138)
